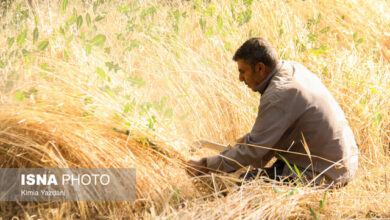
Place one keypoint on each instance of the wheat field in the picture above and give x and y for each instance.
(133, 83)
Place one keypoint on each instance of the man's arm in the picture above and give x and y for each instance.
(277, 112)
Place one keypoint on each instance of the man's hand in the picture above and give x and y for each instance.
(241, 139)
(197, 167)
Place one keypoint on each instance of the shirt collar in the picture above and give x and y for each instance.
(263, 85)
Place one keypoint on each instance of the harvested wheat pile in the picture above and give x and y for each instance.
(32, 138)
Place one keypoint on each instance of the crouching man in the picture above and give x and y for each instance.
(298, 122)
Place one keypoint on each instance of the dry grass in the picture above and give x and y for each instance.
(56, 111)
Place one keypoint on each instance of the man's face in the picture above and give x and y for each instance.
(251, 77)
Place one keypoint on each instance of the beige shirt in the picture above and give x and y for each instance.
(295, 104)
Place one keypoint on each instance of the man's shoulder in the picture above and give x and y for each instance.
(292, 80)
(294, 76)
(284, 79)
(281, 88)
(292, 70)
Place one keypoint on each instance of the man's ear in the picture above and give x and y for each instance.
(260, 68)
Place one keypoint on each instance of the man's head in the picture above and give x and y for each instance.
(256, 58)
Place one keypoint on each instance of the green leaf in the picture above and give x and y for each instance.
(321, 205)
(36, 19)
(127, 108)
(88, 49)
(291, 192)
(109, 92)
(322, 202)
(210, 10)
(248, 2)
(64, 5)
(176, 195)
(152, 121)
(133, 44)
(2, 64)
(95, 5)
(244, 17)
(319, 50)
(176, 15)
(289, 166)
(124, 132)
(88, 19)
(87, 114)
(298, 172)
(112, 66)
(21, 38)
(66, 55)
(61, 31)
(219, 22)
(354, 36)
(277, 190)
(11, 54)
(44, 66)
(374, 90)
(324, 48)
(26, 52)
(100, 72)
(378, 117)
(88, 100)
(100, 17)
(72, 20)
(312, 37)
(98, 40)
(144, 107)
(10, 41)
(319, 18)
(20, 96)
(83, 37)
(323, 31)
(35, 35)
(145, 141)
(79, 21)
(137, 81)
(43, 44)
(202, 23)
(310, 22)
(313, 213)
(146, 12)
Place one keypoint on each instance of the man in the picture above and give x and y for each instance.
(298, 121)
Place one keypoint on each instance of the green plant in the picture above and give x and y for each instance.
(316, 215)
(294, 170)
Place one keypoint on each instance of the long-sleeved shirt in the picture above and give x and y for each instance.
(295, 107)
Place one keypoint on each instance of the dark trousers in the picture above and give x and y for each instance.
(274, 172)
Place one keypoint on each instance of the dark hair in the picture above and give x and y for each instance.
(257, 50)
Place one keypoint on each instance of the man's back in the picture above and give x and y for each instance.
(315, 115)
